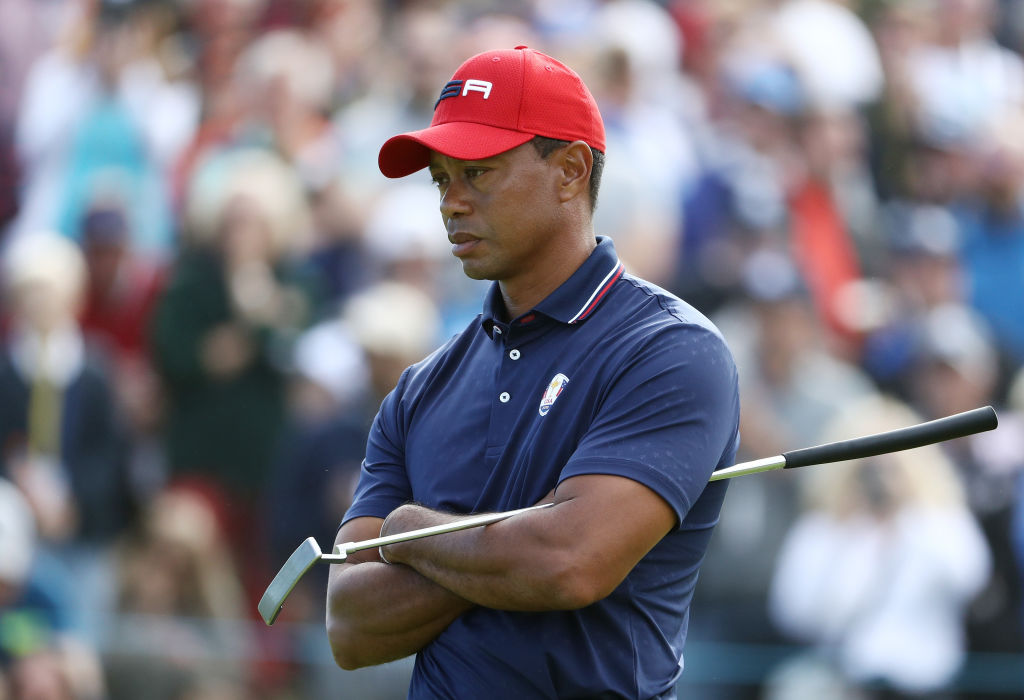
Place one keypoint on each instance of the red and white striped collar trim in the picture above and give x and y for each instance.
(602, 289)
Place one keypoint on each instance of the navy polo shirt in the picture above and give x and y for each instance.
(607, 375)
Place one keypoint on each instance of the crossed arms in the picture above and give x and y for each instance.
(558, 558)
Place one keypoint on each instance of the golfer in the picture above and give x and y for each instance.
(578, 384)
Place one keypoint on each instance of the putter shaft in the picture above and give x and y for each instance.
(742, 469)
(948, 428)
(342, 551)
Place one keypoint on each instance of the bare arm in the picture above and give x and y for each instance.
(564, 557)
(378, 612)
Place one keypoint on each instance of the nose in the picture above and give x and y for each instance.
(454, 199)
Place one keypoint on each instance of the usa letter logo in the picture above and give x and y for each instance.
(555, 387)
(455, 88)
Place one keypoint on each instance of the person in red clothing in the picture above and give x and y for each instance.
(122, 287)
(120, 295)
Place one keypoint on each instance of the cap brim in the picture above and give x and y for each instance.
(406, 153)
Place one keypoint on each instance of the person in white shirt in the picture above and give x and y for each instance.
(879, 569)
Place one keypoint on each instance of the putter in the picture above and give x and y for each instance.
(308, 553)
(940, 430)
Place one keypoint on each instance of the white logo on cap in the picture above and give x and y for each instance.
(477, 86)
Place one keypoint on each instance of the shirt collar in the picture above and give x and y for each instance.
(577, 298)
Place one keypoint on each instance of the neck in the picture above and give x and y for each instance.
(524, 292)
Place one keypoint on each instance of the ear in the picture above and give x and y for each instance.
(575, 162)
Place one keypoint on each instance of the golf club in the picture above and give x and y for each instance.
(959, 425)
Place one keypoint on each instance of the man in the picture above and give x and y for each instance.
(578, 385)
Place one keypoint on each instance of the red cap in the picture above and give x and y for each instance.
(496, 101)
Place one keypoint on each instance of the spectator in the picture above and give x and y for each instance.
(351, 31)
(101, 113)
(27, 29)
(828, 199)
(215, 34)
(289, 76)
(638, 207)
(920, 272)
(223, 331)
(122, 287)
(647, 106)
(387, 326)
(402, 95)
(832, 50)
(40, 653)
(62, 437)
(878, 571)
(281, 86)
(287, 81)
(390, 325)
(956, 369)
(899, 29)
(116, 314)
(405, 240)
(791, 385)
(791, 389)
(993, 236)
(180, 599)
(748, 161)
(962, 80)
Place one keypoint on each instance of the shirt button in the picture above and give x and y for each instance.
(504, 398)
(514, 354)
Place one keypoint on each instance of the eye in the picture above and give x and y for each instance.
(473, 173)
(438, 179)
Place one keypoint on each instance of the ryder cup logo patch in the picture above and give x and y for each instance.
(552, 392)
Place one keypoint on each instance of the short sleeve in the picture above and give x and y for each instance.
(669, 418)
(383, 481)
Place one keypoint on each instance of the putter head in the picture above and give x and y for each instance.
(305, 556)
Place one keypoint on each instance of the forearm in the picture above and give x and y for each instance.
(379, 612)
(559, 558)
(517, 564)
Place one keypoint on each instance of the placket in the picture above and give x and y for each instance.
(506, 399)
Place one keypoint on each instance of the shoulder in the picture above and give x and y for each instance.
(653, 344)
(645, 315)
(676, 310)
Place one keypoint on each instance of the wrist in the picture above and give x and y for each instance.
(390, 526)
(405, 518)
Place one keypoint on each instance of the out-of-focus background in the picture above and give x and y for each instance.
(208, 287)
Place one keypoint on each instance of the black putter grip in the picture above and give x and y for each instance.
(958, 425)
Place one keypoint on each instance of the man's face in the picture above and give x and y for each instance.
(501, 212)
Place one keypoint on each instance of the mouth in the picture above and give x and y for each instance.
(462, 243)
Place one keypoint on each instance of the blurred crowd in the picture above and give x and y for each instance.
(208, 287)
